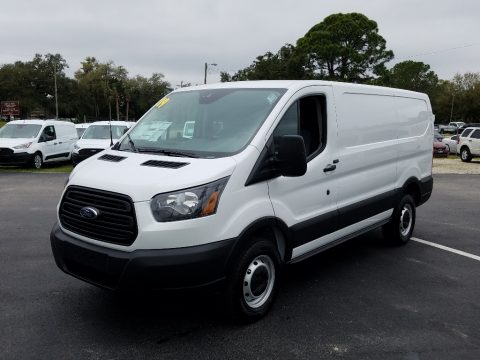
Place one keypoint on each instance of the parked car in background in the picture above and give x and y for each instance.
(34, 142)
(81, 128)
(463, 127)
(457, 123)
(440, 149)
(437, 136)
(99, 136)
(451, 142)
(469, 144)
(452, 127)
(447, 128)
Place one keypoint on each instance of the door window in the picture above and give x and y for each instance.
(475, 134)
(49, 133)
(307, 118)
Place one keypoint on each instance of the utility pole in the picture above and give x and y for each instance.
(206, 68)
(451, 109)
(56, 94)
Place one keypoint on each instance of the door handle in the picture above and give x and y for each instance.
(54, 143)
(329, 168)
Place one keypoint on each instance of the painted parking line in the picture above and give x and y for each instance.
(446, 248)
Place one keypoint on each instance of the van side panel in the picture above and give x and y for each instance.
(366, 149)
(415, 137)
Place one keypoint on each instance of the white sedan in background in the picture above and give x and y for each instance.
(451, 142)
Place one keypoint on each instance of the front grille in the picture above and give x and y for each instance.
(164, 164)
(116, 222)
(6, 151)
(89, 152)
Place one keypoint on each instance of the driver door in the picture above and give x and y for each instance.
(49, 143)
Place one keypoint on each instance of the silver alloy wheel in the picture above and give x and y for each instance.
(37, 161)
(258, 281)
(464, 154)
(406, 219)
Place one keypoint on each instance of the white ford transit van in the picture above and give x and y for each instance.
(97, 137)
(268, 174)
(34, 142)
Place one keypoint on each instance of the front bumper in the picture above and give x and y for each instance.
(153, 269)
(15, 159)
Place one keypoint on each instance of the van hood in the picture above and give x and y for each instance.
(94, 143)
(141, 182)
(10, 143)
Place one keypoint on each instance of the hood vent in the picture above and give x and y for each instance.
(164, 164)
(112, 158)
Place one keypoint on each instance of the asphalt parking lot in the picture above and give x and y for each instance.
(362, 300)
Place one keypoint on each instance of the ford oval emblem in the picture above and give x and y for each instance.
(89, 212)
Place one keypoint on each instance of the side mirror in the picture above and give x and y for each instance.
(290, 155)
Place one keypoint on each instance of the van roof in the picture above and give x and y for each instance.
(40, 122)
(298, 84)
(114, 122)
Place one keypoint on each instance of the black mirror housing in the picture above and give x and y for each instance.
(290, 155)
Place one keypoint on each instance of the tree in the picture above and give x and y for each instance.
(410, 75)
(287, 63)
(345, 47)
(32, 83)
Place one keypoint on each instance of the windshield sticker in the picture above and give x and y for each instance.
(162, 102)
(154, 131)
(272, 98)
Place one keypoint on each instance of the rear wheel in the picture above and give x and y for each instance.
(400, 228)
(37, 161)
(253, 281)
(465, 154)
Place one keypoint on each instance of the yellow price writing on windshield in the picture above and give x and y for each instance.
(162, 102)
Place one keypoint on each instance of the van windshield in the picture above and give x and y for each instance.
(20, 131)
(103, 132)
(202, 123)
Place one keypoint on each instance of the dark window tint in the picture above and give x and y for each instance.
(306, 117)
(476, 134)
(466, 132)
(49, 131)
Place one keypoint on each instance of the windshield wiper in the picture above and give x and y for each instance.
(167, 152)
(132, 144)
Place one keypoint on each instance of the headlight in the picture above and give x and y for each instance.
(189, 203)
(23, 146)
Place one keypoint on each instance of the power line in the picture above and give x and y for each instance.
(438, 51)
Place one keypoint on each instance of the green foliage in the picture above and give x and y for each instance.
(98, 91)
(410, 75)
(32, 83)
(287, 63)
(345, 47)
(61, 167)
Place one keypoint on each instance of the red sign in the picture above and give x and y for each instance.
(10, 108)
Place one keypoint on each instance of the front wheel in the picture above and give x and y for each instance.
(37, 160)
(253, 281)
(400, 228)
(465, 155)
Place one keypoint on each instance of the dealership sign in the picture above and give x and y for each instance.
(10, 108)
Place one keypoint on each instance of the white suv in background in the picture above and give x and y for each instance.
(469, 143)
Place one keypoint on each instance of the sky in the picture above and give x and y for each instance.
(177, 37)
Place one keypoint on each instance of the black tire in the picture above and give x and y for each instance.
(465, 155)
(400, 228)
(253, 281)
(37, 161)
